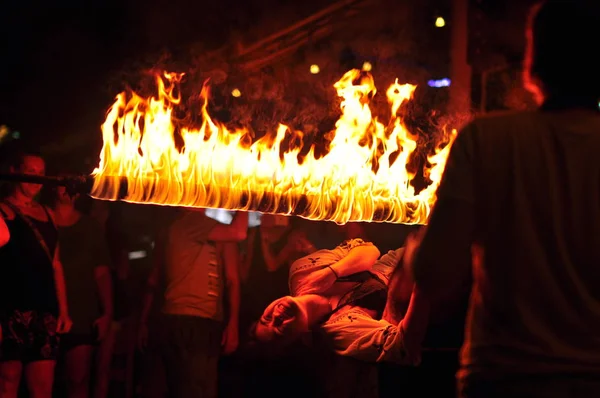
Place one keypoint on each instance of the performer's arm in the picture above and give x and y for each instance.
(273, 261)
(4, 232)
(360, 258)
(151, 286)
(442, 261)
(354, 333)
(354, 256)
(231, 260)
(64, 321)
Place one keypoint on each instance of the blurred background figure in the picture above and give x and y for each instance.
(85, 258)
(197, 271)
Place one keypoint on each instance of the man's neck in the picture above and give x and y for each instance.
(21, 200)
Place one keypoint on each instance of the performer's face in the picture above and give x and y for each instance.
(31, 165)
(284, 319)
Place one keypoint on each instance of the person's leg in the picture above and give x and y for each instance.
(10, 378)
(13, 344)
(191, 358)
(78, 364)
(103, 363)
(40, 354)
(39, 376)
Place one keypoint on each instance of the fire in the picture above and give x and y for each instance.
(219, 168)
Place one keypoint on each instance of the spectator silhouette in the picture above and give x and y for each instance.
(521, 193)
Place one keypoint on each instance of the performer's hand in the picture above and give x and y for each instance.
(63, 324)
(230, 339)
(411, 246)
(317, 282)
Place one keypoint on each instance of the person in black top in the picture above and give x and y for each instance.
(33, 304)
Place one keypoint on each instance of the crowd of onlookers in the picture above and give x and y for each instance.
(124, 300)
(117, 296)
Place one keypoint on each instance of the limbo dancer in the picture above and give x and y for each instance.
(344, 293)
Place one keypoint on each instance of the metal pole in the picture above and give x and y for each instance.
(75, 183)
(460, 70)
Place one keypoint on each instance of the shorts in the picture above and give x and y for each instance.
(29, 336)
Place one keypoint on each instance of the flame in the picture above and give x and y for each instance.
(218, 168)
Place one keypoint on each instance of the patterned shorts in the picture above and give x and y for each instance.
(29, 336)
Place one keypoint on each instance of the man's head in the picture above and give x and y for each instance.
(283, 321)
(28, 162)
(561, 59)
(286, 319)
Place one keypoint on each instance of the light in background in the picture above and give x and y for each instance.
(137, 255)
(225, 216)
(367, 66)
(440, 22)
(438, 83)
(314, 69)
(236, 93)
(4, 130)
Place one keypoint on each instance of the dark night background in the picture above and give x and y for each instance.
(63, 61)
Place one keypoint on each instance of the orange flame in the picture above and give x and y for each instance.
(217, 168)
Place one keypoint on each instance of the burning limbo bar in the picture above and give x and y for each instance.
(316, 206)
(151, 157)
(73, 183)
(312, 207)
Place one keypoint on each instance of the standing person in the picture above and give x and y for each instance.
(198, 259)
(521, 192)
(85, 258)
(33, 303)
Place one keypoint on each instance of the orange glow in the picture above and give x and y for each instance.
(220, 168)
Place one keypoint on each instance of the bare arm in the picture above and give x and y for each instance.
(230, 253)
(59, 280)
(442, 262)
(443, 259)
(274, 261)
(356, 259)
(232, 280)
(235, 232)
(247, 256)
(105, 289)
(354, 333)
(4, 232)
(153, 279)
(360, 258)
